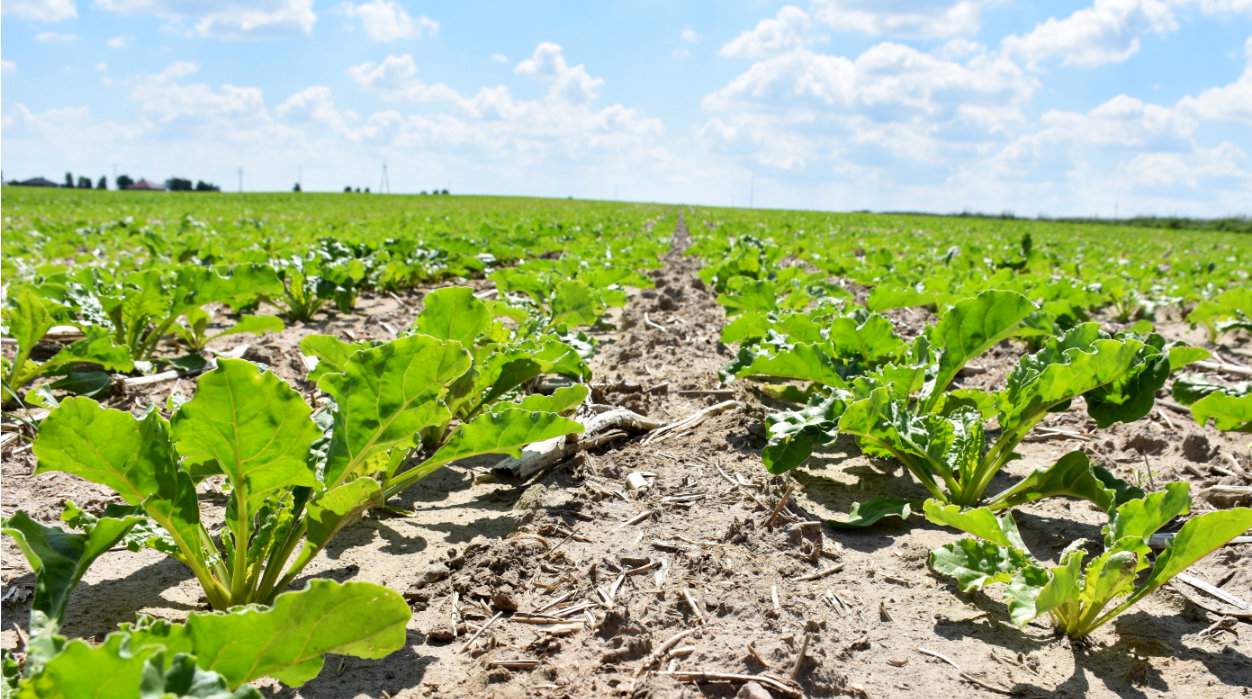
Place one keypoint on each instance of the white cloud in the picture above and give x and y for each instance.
(790, 29)
(885, 76)
(1107, 32)
(7, 66)
(547, 64)
(499, 58)
(386, 21)
(690, 35)
(118, 42)
(55, 38)
(164, 98)
(901, 18)
(41, 10)
(1170, 172)
(229, 19)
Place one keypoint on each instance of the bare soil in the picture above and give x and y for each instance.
(579, 585)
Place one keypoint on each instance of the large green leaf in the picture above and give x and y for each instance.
(803, 362)
(26, 321)
(386, 395)
(102, 445)
(83, 671)
(332, 354)
(252, 325)
(1199, 537)
(979, 521)
(562, 400)
(973, 326)
(95, 348)
(287, 641)
(252, 425)
(59, 558)
(454, 313)
(1072, 476)
(1139, 519)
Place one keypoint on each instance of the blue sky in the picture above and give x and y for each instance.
(1126, 106)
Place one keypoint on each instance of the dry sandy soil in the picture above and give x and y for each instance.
(578, 585)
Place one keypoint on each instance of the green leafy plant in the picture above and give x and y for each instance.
(402, 410)
(27, 320)
(214, 655)
(904, 410)
(1081, 595)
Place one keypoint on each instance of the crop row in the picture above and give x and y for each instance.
(460, 382)
(808, 312)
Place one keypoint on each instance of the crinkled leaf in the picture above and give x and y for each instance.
(975, 564)
(386, 395)
(183, 680)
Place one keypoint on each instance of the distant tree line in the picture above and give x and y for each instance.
(173, 184)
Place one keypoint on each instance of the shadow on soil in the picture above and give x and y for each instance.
(348, 677)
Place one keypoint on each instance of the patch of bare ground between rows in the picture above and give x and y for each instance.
(579, 585)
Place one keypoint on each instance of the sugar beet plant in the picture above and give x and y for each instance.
(1082, 592)
(906, 409)
(213, 655)
(452, 390)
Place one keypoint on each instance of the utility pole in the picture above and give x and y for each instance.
(384, 185)
(241, 180)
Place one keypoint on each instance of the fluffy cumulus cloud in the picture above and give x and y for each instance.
(1107, 32)
(41, 10)
(228, 19)
(547, 64)
(790, 29)
(957, 123)
(385, 21)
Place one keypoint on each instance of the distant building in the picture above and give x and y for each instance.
(35, 182)
(147, 186)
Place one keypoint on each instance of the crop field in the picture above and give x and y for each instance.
(338, 445)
